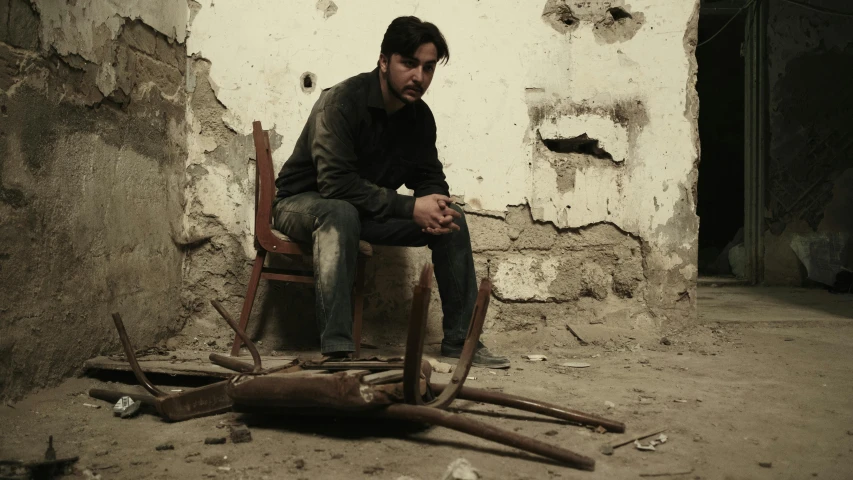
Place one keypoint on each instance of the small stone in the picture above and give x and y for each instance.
(766, 464)
(299, 463)
(609, 404)
(461, 469)
(849, 432)
(789, 339)
(575, 364)
(551, 433)
(697, 438)
(337, 456)
(372, 470)
(211, 343)
(600, 429)
(214, 440)
(665, 341)
(440, 367)
(240, 434)
(164, 446)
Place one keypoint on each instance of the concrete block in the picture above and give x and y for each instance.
(4, 25)
(23, 25)
(167, 78)
(488, 233)
(140, 36)
(171, 53)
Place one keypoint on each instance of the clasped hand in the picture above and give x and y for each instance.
(434, 215)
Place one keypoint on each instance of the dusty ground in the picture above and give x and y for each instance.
(766, 377)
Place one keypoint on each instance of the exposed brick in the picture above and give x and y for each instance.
(167, 78)
(140, 36)
(23, 25)
(4, 20)
(9, 66)
(488, 233)
(171, 52)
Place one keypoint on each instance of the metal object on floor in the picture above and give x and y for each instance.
(197, 402)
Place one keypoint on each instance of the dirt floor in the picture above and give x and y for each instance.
(761, 389)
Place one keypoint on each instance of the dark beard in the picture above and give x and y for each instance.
(397, 94)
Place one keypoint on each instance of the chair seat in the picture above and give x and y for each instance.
(364, 248)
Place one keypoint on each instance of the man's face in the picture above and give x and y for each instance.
(409, 77)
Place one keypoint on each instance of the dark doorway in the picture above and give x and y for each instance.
(720, 86)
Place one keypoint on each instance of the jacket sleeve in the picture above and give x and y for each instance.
(428, 176)
(333, 153)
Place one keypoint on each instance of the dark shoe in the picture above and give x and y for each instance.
(482, 357)
(337, 356)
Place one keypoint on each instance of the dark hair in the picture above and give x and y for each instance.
(406, 34)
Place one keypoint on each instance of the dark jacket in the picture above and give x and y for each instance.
(351, 150)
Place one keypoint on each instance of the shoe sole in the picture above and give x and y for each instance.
(496, 366)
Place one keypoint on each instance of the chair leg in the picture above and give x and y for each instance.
(358, 305)
(249, 301)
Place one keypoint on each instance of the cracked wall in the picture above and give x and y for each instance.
(569, 230)
(92, 154)
(809, 168)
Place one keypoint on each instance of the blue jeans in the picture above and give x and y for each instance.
(333, 228)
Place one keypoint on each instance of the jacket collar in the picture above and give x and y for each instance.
(375, 100)
(374, 91)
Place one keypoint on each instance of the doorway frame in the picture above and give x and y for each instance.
(755, 122)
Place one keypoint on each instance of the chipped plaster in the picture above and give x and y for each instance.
(629, 83)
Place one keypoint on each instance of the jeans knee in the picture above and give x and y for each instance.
(343, 217)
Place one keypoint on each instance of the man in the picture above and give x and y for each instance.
(364, 138)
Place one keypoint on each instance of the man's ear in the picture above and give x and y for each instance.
(383, 63)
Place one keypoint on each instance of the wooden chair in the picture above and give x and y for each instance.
(269, 240)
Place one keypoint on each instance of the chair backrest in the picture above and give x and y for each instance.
(264, 193)
(263, 183)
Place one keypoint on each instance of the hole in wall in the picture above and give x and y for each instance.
(618, 13)
(308, 82)
(582, 144)
(560, 16)
(566, 18)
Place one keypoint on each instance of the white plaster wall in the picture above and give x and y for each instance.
(498, 49)
(506, 62)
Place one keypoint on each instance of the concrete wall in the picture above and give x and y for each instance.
(810, 170)
(92, 153)
(566, 237)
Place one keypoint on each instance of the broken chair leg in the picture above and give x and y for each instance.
(435, 416)
(197, 402)
(417, 333)
(256, 357)
(533, 406)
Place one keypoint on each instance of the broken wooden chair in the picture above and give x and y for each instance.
(270, 240)
(408, 395)
(374, 388)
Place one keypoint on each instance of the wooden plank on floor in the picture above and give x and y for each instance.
(179, 363)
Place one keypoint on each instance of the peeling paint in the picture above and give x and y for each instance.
(548, 226)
